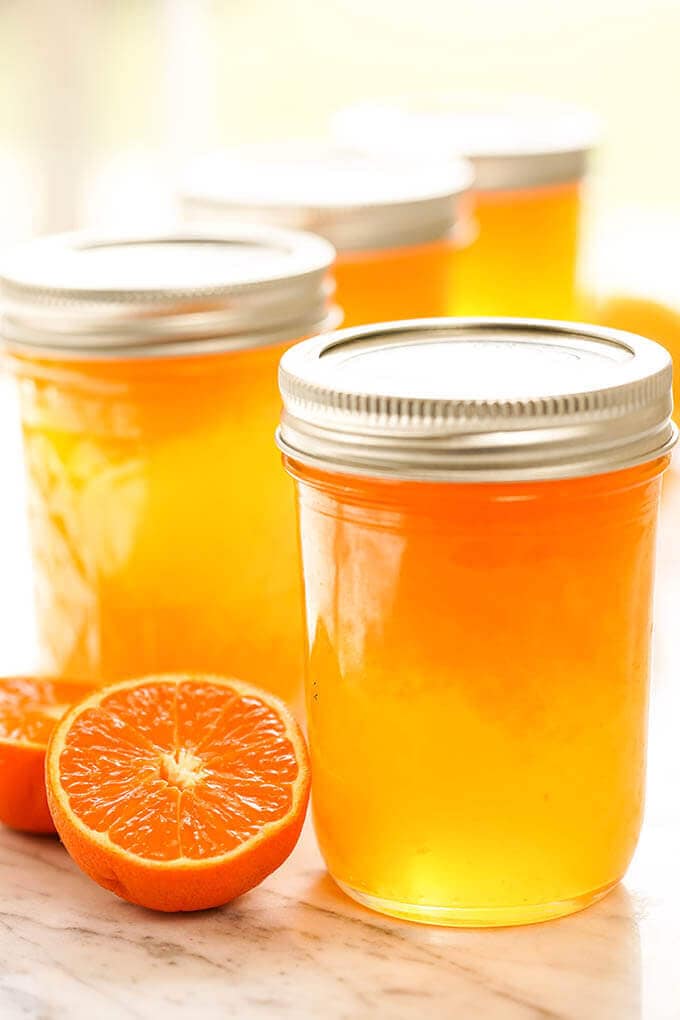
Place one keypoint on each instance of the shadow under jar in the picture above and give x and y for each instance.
(477, 507)
(530, 159)
(163, 533)
(391, 222)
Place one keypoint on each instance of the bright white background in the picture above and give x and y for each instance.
(102, 102)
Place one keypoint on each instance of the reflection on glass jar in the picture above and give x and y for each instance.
(529, 159)
(478, 549)
(392, 223)
(163, 533)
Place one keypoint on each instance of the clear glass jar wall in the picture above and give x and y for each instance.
(163, 530)
(404, 282)
(477, 507)
(164, 535)
(523, 256)
(477, 700)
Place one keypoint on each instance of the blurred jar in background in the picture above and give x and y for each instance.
(477, 504)
(163, 531)
(529, 158)
(392, 224)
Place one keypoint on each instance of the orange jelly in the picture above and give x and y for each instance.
(478, 556)
(163, 530)
(523, 257)
(410, 281)
(529, 159)
(391, 223)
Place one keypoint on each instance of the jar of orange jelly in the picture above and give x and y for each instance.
(163, 532)
(477, 506)
(391, 224)
(530, 159)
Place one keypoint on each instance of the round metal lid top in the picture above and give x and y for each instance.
(476, 399)
(356, 201)
(512, 142)
(137, 295)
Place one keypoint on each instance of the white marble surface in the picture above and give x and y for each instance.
(295, 947)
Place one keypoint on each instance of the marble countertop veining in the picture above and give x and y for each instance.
(297, 948)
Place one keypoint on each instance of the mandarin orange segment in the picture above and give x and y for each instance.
(29, 710)
(103, 769)
(209, 825)
(148, 824)
(199, 708)
(151, 710)
(30, 706)
(178, 792)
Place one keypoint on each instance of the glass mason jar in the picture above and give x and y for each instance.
(163, 534)
(477, 505)
(529, 159)
(392, 224)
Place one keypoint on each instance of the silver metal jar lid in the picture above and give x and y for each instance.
(356, 201)
(512, 143)
(84, 295)
(476, 400)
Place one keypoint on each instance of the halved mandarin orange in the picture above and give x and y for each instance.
(178, 792)
(29, 709)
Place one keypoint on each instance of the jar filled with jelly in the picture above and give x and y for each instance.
(477, 508)
(392, 223)
(163, 533)
(530, 158)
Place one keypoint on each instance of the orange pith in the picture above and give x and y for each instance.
(178, 792)
(29, 709)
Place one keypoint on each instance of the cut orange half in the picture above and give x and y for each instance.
(29, 710)
(178, 792)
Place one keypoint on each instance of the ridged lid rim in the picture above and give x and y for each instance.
(426, 210)
(553, 435)
(45, 309)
